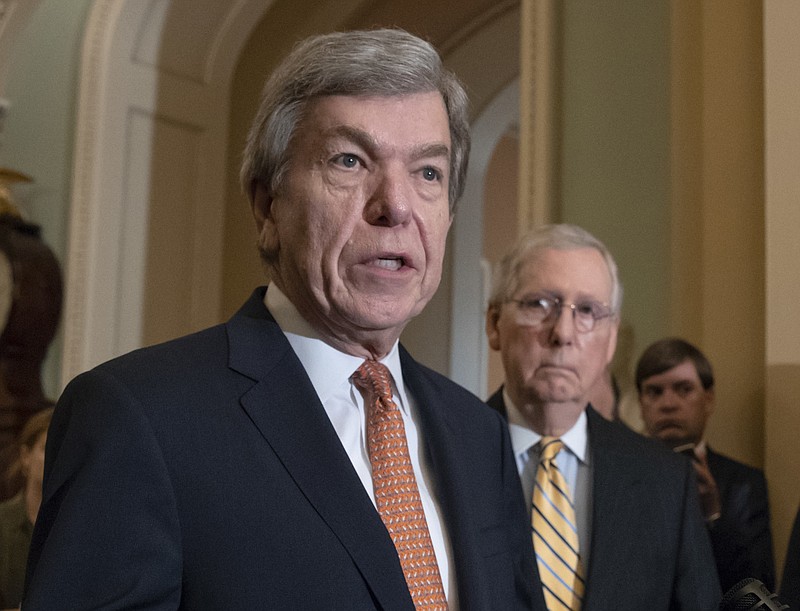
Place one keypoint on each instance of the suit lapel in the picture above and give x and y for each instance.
(284, 407)
(497, 403)
(438, 432)
(615, 488)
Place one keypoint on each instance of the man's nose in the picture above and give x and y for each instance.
(668, 401)
(389, 202)
(563, 331)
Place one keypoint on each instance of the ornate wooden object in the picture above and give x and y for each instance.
(30, 307)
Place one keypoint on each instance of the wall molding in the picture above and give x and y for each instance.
(126, 73)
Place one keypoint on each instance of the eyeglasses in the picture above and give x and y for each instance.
(536, 311)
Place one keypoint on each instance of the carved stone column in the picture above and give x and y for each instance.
(538, 116)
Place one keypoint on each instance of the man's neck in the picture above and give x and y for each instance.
(291, 319)
(548, 418)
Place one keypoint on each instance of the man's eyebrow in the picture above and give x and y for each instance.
(539, 293)
(435, 149)
(358, 136)
(584, 297)
(365, 141)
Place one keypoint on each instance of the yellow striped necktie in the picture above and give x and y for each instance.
(555, 533)
(396, 491)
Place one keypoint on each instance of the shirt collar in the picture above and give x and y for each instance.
(701, 449)
(327, 367)
(524, 438)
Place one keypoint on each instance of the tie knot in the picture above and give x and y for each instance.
(551, 446)
(374, 377)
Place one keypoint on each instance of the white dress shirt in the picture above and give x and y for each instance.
(574, 462)
(329, 371)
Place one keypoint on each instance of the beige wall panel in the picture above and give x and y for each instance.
(733, 224)
(171, 232)
(782, 137)
(686, 161)
(614, 162)
(783, 464)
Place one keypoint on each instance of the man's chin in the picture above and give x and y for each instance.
(555, 389)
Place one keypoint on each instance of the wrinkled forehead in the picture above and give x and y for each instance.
(417, 121)
(568, 273)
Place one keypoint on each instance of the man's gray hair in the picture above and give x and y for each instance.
(557, 237)
(381, 62)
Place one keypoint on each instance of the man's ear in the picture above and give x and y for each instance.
(268, 238)
(261, 204)
(492, 332)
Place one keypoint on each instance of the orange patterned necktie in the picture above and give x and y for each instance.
(396, 492)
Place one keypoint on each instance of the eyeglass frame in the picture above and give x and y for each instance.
(556, 307)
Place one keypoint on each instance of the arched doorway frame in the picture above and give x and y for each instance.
(124, 96)
(468, 347)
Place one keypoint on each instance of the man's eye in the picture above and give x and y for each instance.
(684, 389)
(651, 392)
(585, 309)
(431, 174)
(347, 160)
(536, 304)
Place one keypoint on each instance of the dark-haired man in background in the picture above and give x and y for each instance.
(675, 382)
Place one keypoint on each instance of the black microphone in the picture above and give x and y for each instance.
(750, 595)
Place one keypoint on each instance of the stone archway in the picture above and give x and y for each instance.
(141, 149)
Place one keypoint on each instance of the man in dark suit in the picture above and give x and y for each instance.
(255, 465)
(641, 542)
(675, 382)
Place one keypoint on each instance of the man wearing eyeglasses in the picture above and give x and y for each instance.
(615, 519)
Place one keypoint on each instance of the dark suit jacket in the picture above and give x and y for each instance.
(204, 474)
(790, 582)
(741, 538)
(649, 550)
